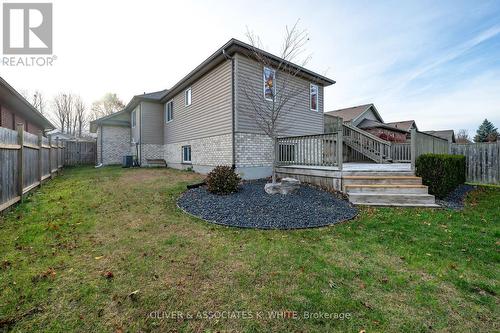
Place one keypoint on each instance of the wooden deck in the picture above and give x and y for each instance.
(389, 167)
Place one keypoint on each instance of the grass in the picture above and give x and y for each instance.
(75, 251)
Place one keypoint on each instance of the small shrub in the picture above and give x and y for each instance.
(222, 180)
(441, 172)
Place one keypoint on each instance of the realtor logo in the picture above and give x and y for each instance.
(27, 28)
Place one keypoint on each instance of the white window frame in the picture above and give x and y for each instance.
(190, 154)
(311, 95)
(171, 102)
(264, 83)
(190, 91)
(133, 118)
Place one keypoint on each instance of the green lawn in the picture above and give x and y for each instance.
(75, 250)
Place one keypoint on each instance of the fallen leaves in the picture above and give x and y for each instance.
(108, 275)
(48, 274)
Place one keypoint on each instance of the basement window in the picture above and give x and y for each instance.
(186, 154)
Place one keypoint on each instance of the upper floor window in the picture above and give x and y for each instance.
(269, 78)
(187, 97)
(132, 118)
(169, 111)
(313, 97)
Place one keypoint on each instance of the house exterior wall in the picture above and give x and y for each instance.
(9, 119)
(112, 144)
(298, 118)
(253, 149)
(206, 153)
(210, 112)
(135, 131)
(152, 123)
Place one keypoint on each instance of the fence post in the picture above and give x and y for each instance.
(50, 157)
(413, 148)
(20, 160)
(40, 157)
(57, 155)
(340, 148)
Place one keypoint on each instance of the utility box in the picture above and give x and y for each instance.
(128, 161)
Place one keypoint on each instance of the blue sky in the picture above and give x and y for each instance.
(437, 62)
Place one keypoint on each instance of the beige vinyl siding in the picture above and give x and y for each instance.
(135, 130)
(152, 123)
(297, 120)
(210, 112)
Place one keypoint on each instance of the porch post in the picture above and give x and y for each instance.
(340, 152)
(413, 148)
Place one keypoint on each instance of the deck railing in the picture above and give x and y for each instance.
(312, 150)
(367, 144)
(400, 152)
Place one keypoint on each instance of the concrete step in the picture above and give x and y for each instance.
(387, 189)
(381, 180)
(392, 199)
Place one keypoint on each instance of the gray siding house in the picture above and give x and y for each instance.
(206, 119)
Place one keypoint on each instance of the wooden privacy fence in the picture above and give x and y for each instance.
(25, 161)
(80, 153)
(423, 143)
(482, 161)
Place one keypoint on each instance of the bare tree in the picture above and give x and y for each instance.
(39, 101)
(36, 99)
(108, 104)
(63, 108)
(462, 136)
(281, 91)
(80, 115)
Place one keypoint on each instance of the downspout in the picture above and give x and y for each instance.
(140, 134)
(233, 109)
(101, 143)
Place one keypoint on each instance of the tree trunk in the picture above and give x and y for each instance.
(274, 161)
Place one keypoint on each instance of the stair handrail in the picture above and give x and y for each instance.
(369, 135)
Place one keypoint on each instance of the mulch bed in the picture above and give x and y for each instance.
(252, 207)
(455, 200)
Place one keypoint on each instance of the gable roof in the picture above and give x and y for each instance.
(229, 49)
(443, 134)
(19, 104)
(405, 124)
(154, 97)
(368, 123)
(223, 53)
(354, 113)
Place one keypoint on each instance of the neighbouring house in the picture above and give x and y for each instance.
(15, 109)
(206, 119)
(443, 134)
(367, 118)
(406, 125)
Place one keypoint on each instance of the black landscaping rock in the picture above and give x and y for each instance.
(455, 200)
(252, 207)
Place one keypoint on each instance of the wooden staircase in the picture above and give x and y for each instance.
(401, 189)
(369, 145)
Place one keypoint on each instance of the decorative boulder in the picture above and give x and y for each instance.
(287, 185)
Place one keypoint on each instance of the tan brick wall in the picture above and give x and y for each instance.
(115, 144)
(206, 153)
(253, 150)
